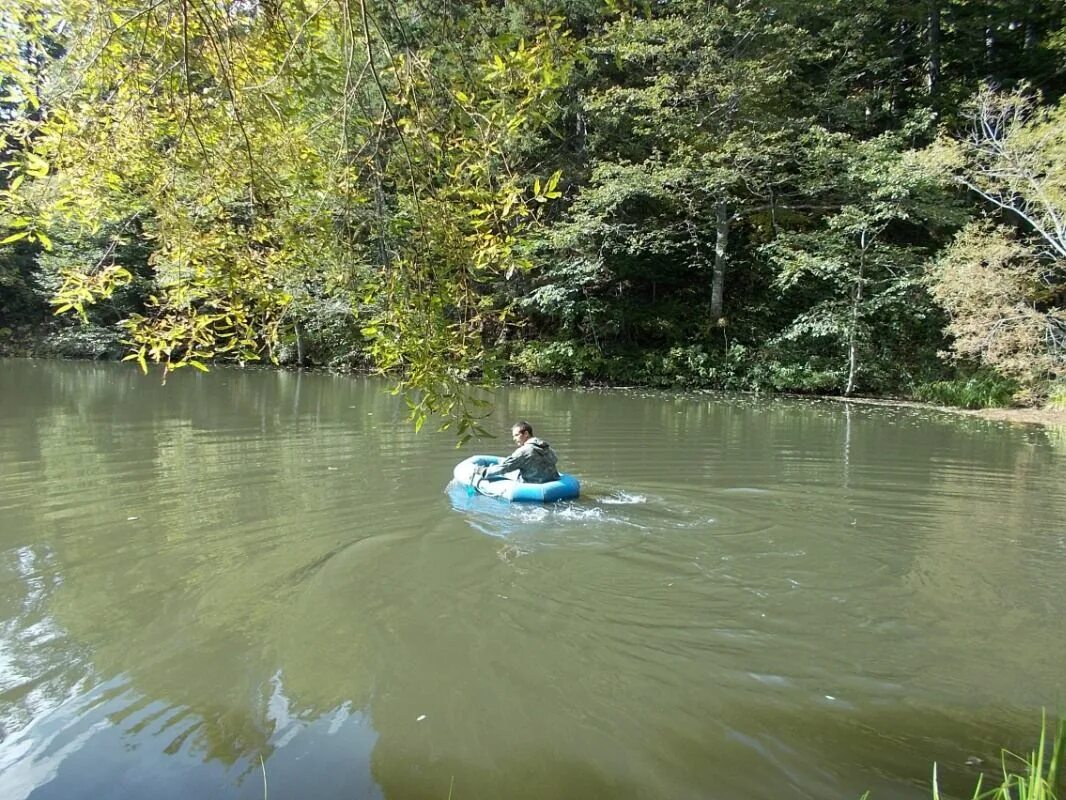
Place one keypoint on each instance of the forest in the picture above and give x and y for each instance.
(821, 197)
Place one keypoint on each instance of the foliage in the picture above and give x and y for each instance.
(691, 367)
(687, 141)
(1057, 396)
(863, 250)
(981, 390)
(19, 302)
(560, 360)
(1005, 284)
(713, 194)
(85, 340)
(803, 372)
(278, 154)
(992, 285)
(1014, 157)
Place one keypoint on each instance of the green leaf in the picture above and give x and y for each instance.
(15, 237)
(36, 166)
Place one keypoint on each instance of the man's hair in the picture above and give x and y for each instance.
(523, 427)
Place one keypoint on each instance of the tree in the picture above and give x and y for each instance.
(271, 154)
(862, 253)
(1005, 285)
(688, 134)
(375, 181)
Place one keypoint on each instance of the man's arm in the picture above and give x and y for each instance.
(509, 464)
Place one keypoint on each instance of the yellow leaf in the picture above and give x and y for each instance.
(36, 166)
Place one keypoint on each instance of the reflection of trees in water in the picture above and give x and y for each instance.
(186, 598)
(979, 579)
(39, 665)
(75, 628)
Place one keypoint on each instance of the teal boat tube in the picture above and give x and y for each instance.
(465, 473)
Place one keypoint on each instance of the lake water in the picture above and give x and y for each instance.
(248, 575)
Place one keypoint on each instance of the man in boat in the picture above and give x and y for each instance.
(534, 459)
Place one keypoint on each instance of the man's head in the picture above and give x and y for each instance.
(521, 432)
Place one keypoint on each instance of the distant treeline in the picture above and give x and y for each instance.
(848, 197)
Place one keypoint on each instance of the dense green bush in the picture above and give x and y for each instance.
(326, 334)
(561, 360)
(83, 341)
(812, 376)
(1056, 397)
(980, 390)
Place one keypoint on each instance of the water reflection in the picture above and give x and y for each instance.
(752, 598)
(112, 741)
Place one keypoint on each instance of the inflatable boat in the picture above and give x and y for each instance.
(465, 473)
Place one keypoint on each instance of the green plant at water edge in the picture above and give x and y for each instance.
(1038, 775)
(1057, 396)
(983, 390)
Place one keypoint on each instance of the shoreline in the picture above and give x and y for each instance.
(1046, 416)
(1053, 417)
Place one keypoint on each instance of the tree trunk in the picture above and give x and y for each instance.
(721, 213)
(990, 46)
(380, 210)
(1031, 36)
(933, 75)
(853, 332)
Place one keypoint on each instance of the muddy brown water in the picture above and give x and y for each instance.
(242, 573)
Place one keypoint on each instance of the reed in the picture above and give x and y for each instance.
(1056, 398)
(1031, 777)
(983, 390)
